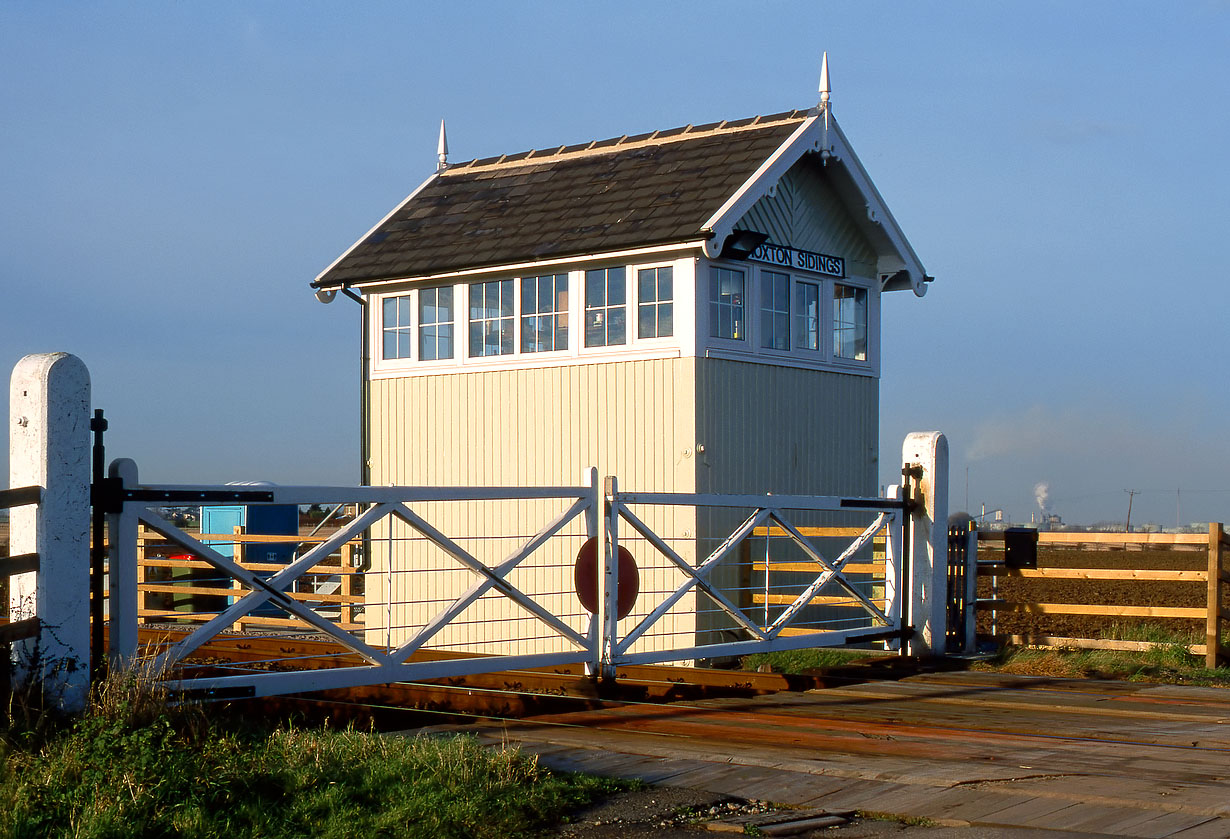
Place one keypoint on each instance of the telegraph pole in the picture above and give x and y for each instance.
(1132, 493)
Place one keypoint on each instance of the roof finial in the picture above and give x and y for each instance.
(825, 152)
(824, 87)
(442, 150)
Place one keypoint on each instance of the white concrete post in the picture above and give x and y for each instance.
(49, 446)
(125, 599)
(928, 578)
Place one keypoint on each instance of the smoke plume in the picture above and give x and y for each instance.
(1042, 494)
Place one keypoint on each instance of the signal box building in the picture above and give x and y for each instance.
(691, 310)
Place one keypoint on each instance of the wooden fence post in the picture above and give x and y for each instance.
(345, 612)
(240, 556)
(1212, 625)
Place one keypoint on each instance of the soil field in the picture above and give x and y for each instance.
(1096, 592)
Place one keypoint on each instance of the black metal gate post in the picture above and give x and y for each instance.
(98, 650)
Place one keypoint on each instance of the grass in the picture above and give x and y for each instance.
(1169, 661)
(806, 660)
(133, 760)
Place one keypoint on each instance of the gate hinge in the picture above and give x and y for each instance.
(911, 478)
(107, 495)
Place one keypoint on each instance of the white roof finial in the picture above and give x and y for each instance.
(442, 150)
(824, 86)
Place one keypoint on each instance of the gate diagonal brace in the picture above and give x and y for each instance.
(489, 577)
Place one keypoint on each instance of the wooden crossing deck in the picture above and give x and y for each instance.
(1110, 758)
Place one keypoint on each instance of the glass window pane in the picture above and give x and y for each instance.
(595, 328)
(529, 298)
(666, 321)
(615, 326)
(615, 295)
(645, 285)
(726, 303)
(666, 283)
(527, 334)
(605, 294)
(646, 328)
(476, 339)
(595, 288)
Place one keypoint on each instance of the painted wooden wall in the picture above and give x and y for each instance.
(545, 426)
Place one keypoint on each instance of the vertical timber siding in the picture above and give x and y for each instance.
(782, 430)
(632, 419)
(785, 430)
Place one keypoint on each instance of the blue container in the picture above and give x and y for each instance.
(257, 520)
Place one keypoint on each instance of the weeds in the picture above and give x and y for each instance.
(806, 660)
(135, 764)
(1168, 661)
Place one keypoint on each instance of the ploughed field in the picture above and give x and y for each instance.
(1108, 593)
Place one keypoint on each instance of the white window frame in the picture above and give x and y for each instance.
(556, 312)
(635, 273)
(796, 282)
(419, 326)
(409, 328)
(821, 358)
(868, 336)
(629, 334)
(680, 343)
(511, 317)
(762, 277)
(746, 342)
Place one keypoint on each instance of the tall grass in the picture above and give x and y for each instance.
(1168, 661)
(134, 765)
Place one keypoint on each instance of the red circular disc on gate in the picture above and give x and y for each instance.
(586, 578)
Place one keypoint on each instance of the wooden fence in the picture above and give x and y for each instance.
(176, 587)
(758, 590)
(1214, 578)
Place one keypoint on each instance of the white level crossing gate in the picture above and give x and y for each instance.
(414, 583)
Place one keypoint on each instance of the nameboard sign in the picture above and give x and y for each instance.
(820, 263)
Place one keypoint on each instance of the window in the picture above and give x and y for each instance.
(655, 306)
(605, 313)
(544, 313)
(396, 327)
(726, 303)
(774, 310)
(807, 316)
(491, 318)
(850, 322)
(436, 323)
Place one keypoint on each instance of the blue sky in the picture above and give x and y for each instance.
(175, 175)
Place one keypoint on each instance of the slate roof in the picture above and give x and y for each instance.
(626, 192)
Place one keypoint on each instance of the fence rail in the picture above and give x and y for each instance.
(1212, 612)
(178, 587)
